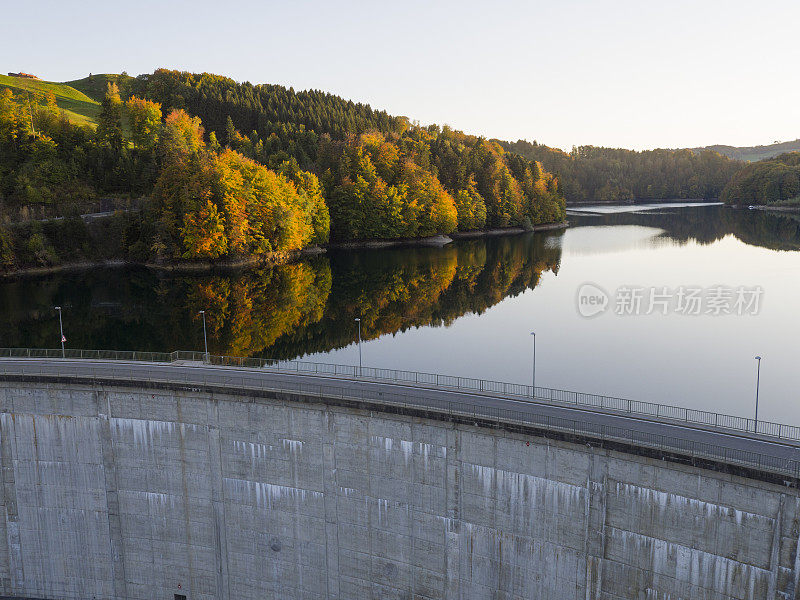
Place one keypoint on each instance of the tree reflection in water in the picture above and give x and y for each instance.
(284, 311)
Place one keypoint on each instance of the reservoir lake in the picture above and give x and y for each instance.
(682, 298)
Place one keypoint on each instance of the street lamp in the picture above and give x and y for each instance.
(534, 364)
(205, 339)
(359, 346)
(758, 382)
(61, 328)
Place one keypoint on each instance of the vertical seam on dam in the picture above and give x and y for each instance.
(112, 497)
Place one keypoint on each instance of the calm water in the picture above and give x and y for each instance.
(468, 309)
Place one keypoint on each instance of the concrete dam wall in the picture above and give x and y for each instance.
(117, 492)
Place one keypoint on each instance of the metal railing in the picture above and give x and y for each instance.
(245, 380)
(638, 408)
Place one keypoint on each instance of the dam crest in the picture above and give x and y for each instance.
(129, 490)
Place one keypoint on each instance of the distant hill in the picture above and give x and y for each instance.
(754, 153)
(596, 174)
(95, 85)
(774, 181)
(80, 98)
(79, 107)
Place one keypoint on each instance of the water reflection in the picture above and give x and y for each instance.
(705, 225)
(282, 312)
(467, 309)
(608, 239)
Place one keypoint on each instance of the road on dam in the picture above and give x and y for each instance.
(419, 395)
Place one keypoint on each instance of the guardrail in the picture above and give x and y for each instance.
(250, 381)
(512, 390)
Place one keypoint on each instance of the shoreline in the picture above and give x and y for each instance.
(476, 233)
(274, 259)
(767, 208)
(182, 267)
(442, 240)
(432, 240)
(634, 202)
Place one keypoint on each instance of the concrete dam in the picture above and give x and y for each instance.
(147, 490)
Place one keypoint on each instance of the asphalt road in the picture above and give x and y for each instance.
(196, 373)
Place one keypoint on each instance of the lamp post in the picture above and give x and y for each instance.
(358, 320)
(533, 381)
(758, 382)
(61, 329)
(205, 339)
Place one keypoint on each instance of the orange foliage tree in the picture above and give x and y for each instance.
(224, 205)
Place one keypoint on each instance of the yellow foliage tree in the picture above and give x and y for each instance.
(144, 118)
(203, 232)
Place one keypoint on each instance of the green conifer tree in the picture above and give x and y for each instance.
(109, 123)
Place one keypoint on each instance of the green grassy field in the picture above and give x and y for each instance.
(80, 108)
(95, 86)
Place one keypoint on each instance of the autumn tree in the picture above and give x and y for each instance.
(144, 118)
(214, 205)
(181, 136)
(184, 187)
(310, 189)
(470, 207)
(109, 122)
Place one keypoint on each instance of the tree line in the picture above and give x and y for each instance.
(207, 202)
(771, 181)
(383, 177)
(591, 173)
(232, 169)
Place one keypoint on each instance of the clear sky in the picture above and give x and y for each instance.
(637, 74)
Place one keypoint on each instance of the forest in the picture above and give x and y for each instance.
(595, 174)
(774, 181)
(381, 175)
(201, 167)
(205, 168)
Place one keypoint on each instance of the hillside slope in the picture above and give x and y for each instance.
(754, 153)
(774, 181)
(236, 173)
(597, 174)
(80, 108)
(94, 86)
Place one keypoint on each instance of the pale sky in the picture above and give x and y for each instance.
(637, 74)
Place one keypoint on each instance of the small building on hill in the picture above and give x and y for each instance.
(25, 75)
